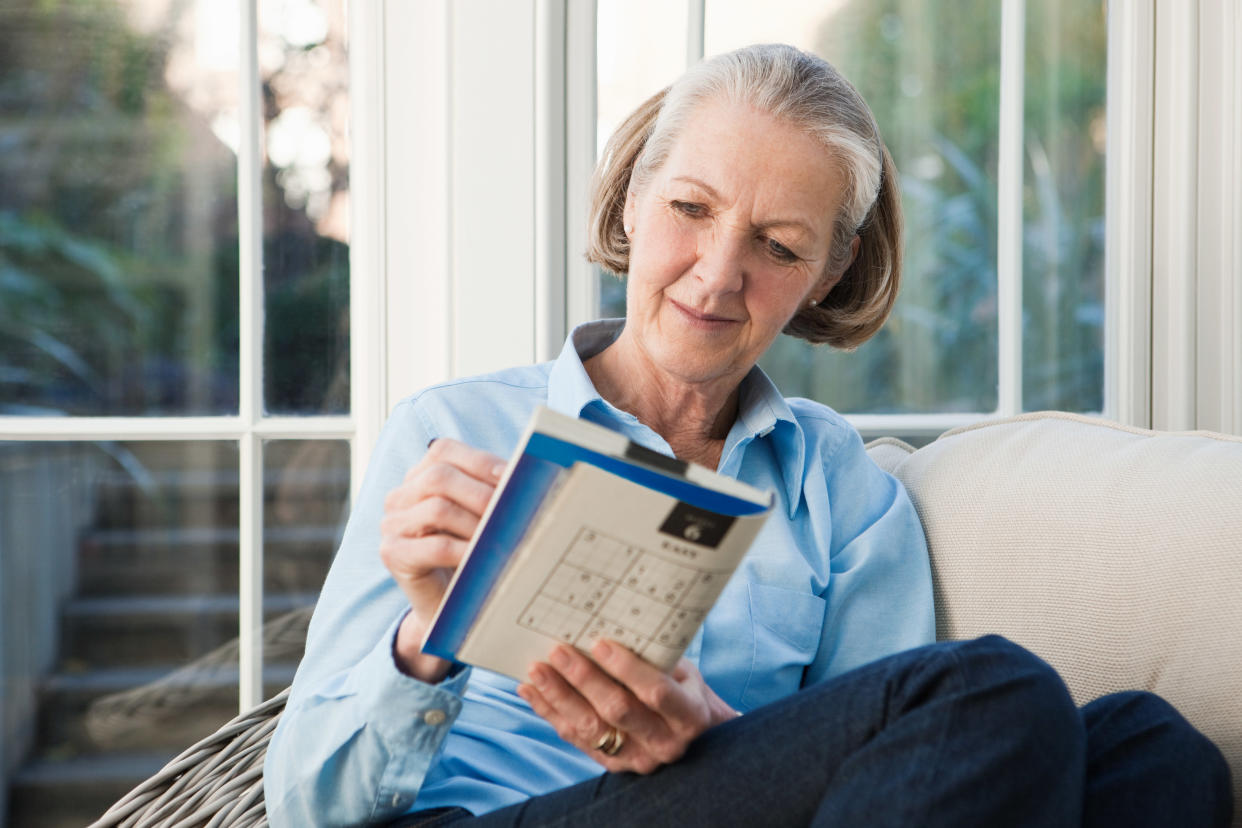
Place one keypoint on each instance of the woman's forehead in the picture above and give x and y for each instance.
(732, 151)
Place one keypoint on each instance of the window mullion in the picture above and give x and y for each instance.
(1175, 217)
(1009, 209)
(696, 15)
(1219, 313)
(368, 270)
(250, 252)
(549, 169)
(417, 115)
(1128, 212)
(581, 284)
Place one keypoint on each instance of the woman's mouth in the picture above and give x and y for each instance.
(701, 318)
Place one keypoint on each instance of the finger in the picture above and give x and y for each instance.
(441, 479)
(422, 568)
(631, 756)
(432, 515)
(479, 464)
(681, 670)
(413, 557)
(679, 710)
(575, 719)
(656, 690)
(606, 698)
(548, 712)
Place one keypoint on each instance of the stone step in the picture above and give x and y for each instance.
(70, 793)
(196, 561)
(209, 497)
(128, 631)
(153, 709)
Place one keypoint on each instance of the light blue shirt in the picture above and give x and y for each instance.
(838, 576)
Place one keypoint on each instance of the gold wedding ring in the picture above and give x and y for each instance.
(610, 743)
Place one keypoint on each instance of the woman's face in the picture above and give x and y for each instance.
(728, 240)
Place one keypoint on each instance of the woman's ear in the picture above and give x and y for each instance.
(829, 280)
(854, 245)
(627, 215)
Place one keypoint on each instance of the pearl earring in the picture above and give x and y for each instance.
(629, 228)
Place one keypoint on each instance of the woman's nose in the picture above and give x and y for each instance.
(721, 265)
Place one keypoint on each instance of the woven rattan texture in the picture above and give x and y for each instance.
(217, 782)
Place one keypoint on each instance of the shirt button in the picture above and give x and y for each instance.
(434, 717)
(396, 800)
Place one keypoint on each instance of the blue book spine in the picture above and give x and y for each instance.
(565, 454)
(543, 458)
(518, 504)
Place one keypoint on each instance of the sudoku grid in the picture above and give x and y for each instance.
(602, 586)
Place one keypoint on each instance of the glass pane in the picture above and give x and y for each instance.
(641, 48)
(118, 216)
(305, 70)
(118, 635)
(933, 85)
(1063, 206)
(306, 502)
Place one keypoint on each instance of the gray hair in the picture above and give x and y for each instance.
(795, 87)
(810, 94)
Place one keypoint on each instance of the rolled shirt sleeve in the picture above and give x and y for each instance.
(336, 762)
(358, 735)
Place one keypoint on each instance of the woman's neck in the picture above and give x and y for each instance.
(693, 418)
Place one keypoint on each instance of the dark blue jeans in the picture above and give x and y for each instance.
(973, 733)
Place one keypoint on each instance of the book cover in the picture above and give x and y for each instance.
(591, 535)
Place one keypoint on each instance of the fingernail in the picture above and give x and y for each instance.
(536, 676)
(601, 650)
(498, 470)
(559, 657)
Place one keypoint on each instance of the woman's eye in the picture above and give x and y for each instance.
(689, 209)
(780, 252)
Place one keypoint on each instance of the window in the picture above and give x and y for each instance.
(175, 374)
(159, 433)
(995, 115)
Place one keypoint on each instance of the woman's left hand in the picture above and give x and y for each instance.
(658, 714)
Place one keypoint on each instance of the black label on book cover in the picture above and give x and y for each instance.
(653, 458)
(690, 523)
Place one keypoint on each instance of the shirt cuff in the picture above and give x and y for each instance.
(414, 717)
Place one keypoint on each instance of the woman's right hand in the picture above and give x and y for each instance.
(428, 522)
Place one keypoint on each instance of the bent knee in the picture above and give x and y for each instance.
(1137, 718)
(994, 658)
(1002, 675)
(1144, 755)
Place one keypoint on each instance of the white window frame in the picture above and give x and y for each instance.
(251, 426)
(486, 196)
(468, 191)
(1174, 215)
(1173, 266)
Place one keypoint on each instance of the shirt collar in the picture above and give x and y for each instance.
(570, 390)
(763, 413)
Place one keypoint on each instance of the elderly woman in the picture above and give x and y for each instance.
(754, 197)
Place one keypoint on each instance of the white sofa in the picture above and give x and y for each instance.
(1114, 553)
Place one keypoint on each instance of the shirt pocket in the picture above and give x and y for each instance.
(786, 624)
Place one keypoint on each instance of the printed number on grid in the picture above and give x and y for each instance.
(639, 597)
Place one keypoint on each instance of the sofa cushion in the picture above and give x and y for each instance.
(1114, 553)
(889, 452)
